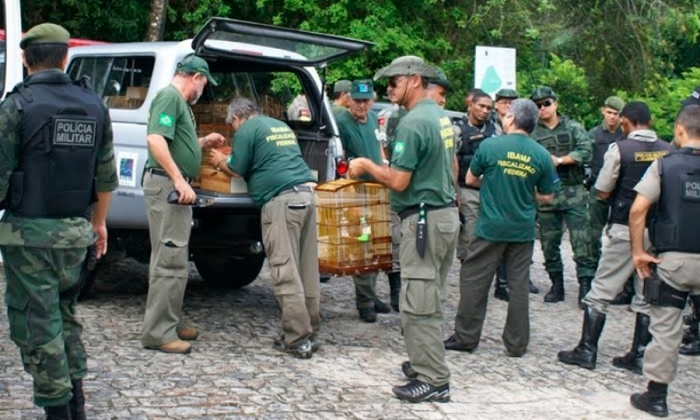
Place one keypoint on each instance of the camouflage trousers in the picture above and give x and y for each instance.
(42, 290)
(598, 211)
(570, 206)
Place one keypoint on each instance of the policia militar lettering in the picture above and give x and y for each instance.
(56, 161)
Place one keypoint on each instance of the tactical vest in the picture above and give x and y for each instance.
(471, 139)
(61, 131)
(635, 158)
(560, 145)
(602, 139)
(676, 227)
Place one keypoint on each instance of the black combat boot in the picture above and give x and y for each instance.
(58, 412)
(633, 360)
(625, 296)
(585, 354)
(534, 289)
(77, 403)
(653, 401)
(394, 290)
(556, 293)
(501, 292)
(584, 286)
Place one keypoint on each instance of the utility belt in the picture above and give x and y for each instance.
(296, 188)
(410, 211)
(659, 293)
(161, 172)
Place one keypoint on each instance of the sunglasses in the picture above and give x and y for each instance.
(545, 104)
(394, 81)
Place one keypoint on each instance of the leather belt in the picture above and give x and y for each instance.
(415, 209)
(161, 172)
(296, 188)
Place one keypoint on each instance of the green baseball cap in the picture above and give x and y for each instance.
(507, 94)
(46, 33)
(407, 65)
(193, 64)
(543, 92)
(615, 103)
(342, 86)
(362, 89)
(441, 79)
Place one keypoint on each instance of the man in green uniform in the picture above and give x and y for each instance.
(174, 158)
(517, 172)
(422, 194)
(341, 96)
(358, 127)
(570, 147)
(267, 155)
(56, 160)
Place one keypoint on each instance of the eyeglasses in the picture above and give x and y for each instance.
(394, 81)
(545, 104)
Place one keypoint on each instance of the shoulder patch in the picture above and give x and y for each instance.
(165, 120)
(398, 147)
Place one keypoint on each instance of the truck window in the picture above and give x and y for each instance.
(122, 82)
(278, 94)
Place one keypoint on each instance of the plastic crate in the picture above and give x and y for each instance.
(354, 227)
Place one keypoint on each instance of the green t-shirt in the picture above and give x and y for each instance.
(424, 145)
(360, 139)
(266, 154)
(171, 117)
(337, 109)
(513, 166)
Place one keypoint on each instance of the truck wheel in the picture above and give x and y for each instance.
(229, 272)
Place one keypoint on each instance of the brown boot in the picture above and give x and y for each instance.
(188, 333)
(178, 347)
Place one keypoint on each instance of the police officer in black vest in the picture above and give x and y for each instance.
(625, 163)
(475, 127)
(673, 184)
(56, 176)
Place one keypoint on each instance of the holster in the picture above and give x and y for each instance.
(659, 293)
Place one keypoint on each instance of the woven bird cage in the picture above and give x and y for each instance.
(354, 227)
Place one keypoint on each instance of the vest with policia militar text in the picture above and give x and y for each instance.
(676, 227)
(61, 131)
(635, 158)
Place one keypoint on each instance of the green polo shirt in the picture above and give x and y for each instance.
(171, 117)
(360, 139)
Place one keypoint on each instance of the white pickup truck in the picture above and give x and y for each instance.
(271, 65)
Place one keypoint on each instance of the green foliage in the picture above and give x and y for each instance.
(585, 49)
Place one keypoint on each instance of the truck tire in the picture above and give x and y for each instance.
(229, 272)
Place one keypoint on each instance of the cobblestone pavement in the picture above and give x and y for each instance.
(233, 373)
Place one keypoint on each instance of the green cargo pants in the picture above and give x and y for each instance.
(41, 295)
(598, 211)
(423, 288)
(365, 290)
(169, 227)
(291, 244)
(570, 207)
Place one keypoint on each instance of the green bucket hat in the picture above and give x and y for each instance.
(407, 65)
(362, 89)
(543, 92)
(193, 64)
(46, 33)
(342, 86)
(507, 94)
